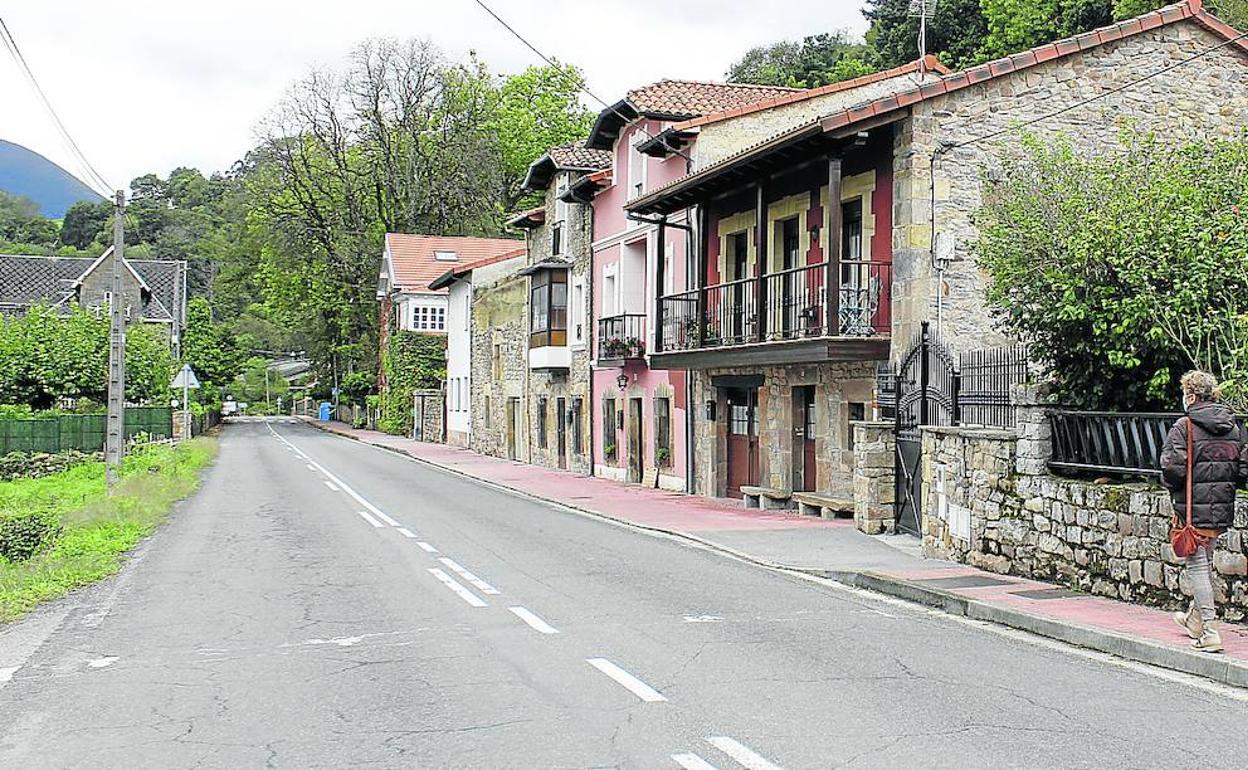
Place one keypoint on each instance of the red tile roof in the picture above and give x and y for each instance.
(930, 63)
(577, 157)
(444, 280)
(530, 218)
(690, 98)
(413, 263)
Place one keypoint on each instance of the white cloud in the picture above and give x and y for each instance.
(192, 80)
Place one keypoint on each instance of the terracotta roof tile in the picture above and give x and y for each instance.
(414, 265)
(690, 98)
(576, 156)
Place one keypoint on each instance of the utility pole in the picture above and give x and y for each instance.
(115, 431)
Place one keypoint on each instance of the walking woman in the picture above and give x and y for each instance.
(1218, 464)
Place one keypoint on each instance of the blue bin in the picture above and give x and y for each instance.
(325, 409)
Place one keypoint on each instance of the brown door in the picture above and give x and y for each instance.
(808, 439)
(636, 461)
(561, 431)
(742, 439)
(512, 409)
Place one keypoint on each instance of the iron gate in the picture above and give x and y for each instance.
(925, 392)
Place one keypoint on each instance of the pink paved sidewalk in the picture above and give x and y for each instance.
(700, 517)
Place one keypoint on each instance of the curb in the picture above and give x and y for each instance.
(1217, 668)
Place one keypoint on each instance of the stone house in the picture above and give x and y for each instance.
(154, 290)
(549, 425)
(460, 283)
(797, 302)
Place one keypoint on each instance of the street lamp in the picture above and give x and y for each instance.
(622, 381)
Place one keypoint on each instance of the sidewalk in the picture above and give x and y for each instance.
(838, 551)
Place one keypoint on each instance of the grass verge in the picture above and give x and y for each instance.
(98, 530)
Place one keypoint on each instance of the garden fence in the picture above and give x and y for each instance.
(82, 432)
(1119, 443)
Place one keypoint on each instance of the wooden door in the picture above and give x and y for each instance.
(511, 428)
(561, 431)
(742, 439)
(636, 459)
(809, 472)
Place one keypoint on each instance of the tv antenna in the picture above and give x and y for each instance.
(925, 10)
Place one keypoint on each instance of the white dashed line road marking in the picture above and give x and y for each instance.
(627, 680)
(741, 754)
(459, 590)
(7, 673)
(426, 547)
(477, 582)
(407, 533)
(692, 762)
(313, 465)
(332, 488)
(369, 519)
(535, 623)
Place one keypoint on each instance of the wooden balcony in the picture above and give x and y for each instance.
(778, 318)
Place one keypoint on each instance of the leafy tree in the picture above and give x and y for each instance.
(955, 32)
(210, 348)
(21, 222)
(84, 223)
(258, 385)
(1122, 270)
(1016, 25)
(818, 60)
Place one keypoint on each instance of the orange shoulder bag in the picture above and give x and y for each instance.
(1184, 539)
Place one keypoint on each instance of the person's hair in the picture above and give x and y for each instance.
(1202, 385)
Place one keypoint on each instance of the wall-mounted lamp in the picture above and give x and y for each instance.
(710, 411)
(622, 381)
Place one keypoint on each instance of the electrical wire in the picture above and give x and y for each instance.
(580, 85)
(95, 177)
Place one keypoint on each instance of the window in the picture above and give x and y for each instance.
(851, 230)
(498, 361)
(548, 309)
(556, 239)
(663, 432)
(576, 312)
(789, 241)
(577, 439)
(541, 423)
(429, 318)
(857, 413)
(446, 256)
(608, 430)
(636, 172)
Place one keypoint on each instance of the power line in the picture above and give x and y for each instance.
(11, 44)
(580, 85)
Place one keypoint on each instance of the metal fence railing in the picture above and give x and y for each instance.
(975, 390)
(1109, 442)
(82, 432)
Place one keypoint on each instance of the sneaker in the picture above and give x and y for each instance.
(1209, 641)
(1190, 622)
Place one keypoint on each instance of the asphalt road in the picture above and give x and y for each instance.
(322, 603)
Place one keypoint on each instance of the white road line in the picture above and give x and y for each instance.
(426, 547)
(627, 680)
(345, 488)
(407, 533)
(311, 467)
(369, 519)
(741, 754)
(535, 623)
(332, 488)
(459, 590)
(480, 584)
(7, 673)
(692, 762)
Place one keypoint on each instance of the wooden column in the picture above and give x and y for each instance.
(760, 262)
(832, 281)
(660, 280)
(703, 264)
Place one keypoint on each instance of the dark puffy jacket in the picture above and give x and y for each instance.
(1221, 464)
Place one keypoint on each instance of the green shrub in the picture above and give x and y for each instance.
(23, 534)
(24, 465)
(412, 361)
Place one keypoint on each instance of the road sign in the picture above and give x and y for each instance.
(185, 378)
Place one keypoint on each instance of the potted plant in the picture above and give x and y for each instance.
(608, 450)
(663, 456)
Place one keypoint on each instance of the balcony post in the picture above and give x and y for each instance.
(660, 280)
(832, 281)
(703, 258)
(760, 259)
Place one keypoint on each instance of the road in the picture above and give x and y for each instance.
(323, 603)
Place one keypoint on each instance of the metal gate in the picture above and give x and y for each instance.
(925, 392)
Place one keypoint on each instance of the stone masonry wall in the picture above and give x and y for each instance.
(989, 502)
(1201, 100)
(500, 345)
(874, 472)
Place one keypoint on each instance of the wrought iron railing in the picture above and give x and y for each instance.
(622, 337)
(787, 305)
(1109, 442)
(986, 378)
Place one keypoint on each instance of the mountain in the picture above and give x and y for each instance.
(26, 172)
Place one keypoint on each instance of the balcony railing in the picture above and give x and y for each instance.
(622, 337)
(788, 305)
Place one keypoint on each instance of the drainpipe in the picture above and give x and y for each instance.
(692, 237)
(590, 337)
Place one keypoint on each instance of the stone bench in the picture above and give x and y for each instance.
(826, 506)
(765, 498)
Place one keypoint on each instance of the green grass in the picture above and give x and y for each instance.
(98, 529)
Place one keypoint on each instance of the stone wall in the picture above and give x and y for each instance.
(989, 502)
(1203, 100)
(500, 366)
(836, 385)
(874, 473)
(431, 416)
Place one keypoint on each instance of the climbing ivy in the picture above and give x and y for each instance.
(411, 361)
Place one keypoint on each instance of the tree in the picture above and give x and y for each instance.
(210, 348)
(1123, 269)
(955, 33)
(21, 222)
(84, 223)
(818, 60)
(1016, 25)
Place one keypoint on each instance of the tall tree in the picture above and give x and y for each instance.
(955, 33)
(84, 222)
(829, 57)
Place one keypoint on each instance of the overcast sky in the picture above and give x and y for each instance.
(194, 78)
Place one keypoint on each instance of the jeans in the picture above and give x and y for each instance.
(1200, 573)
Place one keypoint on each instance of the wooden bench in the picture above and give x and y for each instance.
(765, 498)
(827, 506)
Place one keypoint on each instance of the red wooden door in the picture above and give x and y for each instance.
(742, 439)
(809, 478)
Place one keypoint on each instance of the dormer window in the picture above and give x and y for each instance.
(446, 256)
